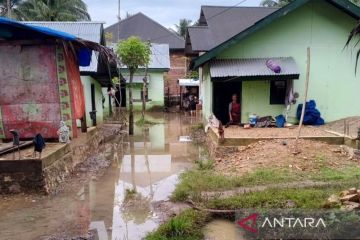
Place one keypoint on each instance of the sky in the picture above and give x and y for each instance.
(166, 12)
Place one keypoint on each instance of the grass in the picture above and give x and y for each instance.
(185, 226)
(193, 182)
(145, 122)
(204, 179)
(130, 194)
(309, 198)
(345, 174)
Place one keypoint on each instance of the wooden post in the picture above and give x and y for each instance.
(305, 99)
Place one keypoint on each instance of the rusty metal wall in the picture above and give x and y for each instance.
(29, 94)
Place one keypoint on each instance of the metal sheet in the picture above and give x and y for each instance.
(252, 67)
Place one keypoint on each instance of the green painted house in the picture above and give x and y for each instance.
(159, 65)
(238, 65)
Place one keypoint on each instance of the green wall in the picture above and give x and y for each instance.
(155, 90)
(324, 29)
(87, 81)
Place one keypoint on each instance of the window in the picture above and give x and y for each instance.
(277, 92)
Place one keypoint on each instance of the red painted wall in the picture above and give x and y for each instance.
(29, 92)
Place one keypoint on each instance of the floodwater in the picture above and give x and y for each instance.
(149, 163)
(222, 230)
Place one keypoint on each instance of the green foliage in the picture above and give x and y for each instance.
(134, 53)
(277, 198)
(282, 3)
(130, 194)
(350, 173)
(193, 182)
(51, 10)
(182, 26)
(144, 122)
(186, 226)
(192, 75)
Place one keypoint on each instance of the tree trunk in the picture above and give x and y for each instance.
(131, 110)
(144, 94)
(8, 7)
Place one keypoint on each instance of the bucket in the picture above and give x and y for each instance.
(253, 119)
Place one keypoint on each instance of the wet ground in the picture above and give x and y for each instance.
(222, 230)
(116, 203)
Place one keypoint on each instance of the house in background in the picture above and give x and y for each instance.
(156, 73)
(147, 29)
(238, 65)
(95, 77)
(40, 79)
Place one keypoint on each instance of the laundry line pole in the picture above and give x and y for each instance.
(305, 99)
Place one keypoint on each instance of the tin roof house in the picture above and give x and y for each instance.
(235, 60)
(40, 79)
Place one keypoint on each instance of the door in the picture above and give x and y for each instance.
(222, 93)
(93, 105)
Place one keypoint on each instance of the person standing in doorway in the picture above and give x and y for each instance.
(234, 111)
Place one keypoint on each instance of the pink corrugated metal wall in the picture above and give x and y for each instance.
(29, 91)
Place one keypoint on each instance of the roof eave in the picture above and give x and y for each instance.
(350, 8)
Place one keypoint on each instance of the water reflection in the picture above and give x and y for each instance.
(149, 165)
(149, 162)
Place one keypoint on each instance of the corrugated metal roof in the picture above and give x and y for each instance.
(253, 67)
(219, 23)
(160, 56)
(91, 31)
(147, 29)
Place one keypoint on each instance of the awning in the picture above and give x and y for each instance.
(189, 82)
(253, 68)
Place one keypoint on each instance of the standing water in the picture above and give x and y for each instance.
(118, 204)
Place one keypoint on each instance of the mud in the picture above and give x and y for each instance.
(91, 203)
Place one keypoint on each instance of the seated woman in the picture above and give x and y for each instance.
(234, 111)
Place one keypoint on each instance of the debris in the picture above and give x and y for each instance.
(349, 200)
(351, 197)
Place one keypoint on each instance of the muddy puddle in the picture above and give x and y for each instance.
(222, 230)
(116, 205)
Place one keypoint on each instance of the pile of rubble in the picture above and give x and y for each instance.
(348, 200)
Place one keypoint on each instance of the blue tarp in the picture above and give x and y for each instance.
(312, 116)
(14, 30)
(15, 26)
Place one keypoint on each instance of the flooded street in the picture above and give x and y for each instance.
(118, 204)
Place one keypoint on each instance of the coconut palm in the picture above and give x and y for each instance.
(4, 6)
(281, 3)
(182, 26)
(52, 10)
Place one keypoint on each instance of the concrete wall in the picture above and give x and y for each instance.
(155, 91)
(87, 81)
(178, 68)
(333, 84)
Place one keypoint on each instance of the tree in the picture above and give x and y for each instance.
(6, 5)
(355, 35)
(52, 10)
(133, 53)
(282, 3)
(275, 3)
(182, 26)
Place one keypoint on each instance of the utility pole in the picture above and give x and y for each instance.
(8, 6)
(119, 16)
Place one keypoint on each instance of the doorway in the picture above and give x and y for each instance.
(222, 92)
(93, 105)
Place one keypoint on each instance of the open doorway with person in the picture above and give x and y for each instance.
(227, 102)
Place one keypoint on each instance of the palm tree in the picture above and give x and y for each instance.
(281, 3)
(4, 6)
(183, 25)
(52, 10)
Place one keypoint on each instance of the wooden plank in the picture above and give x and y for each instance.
(8, 147)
